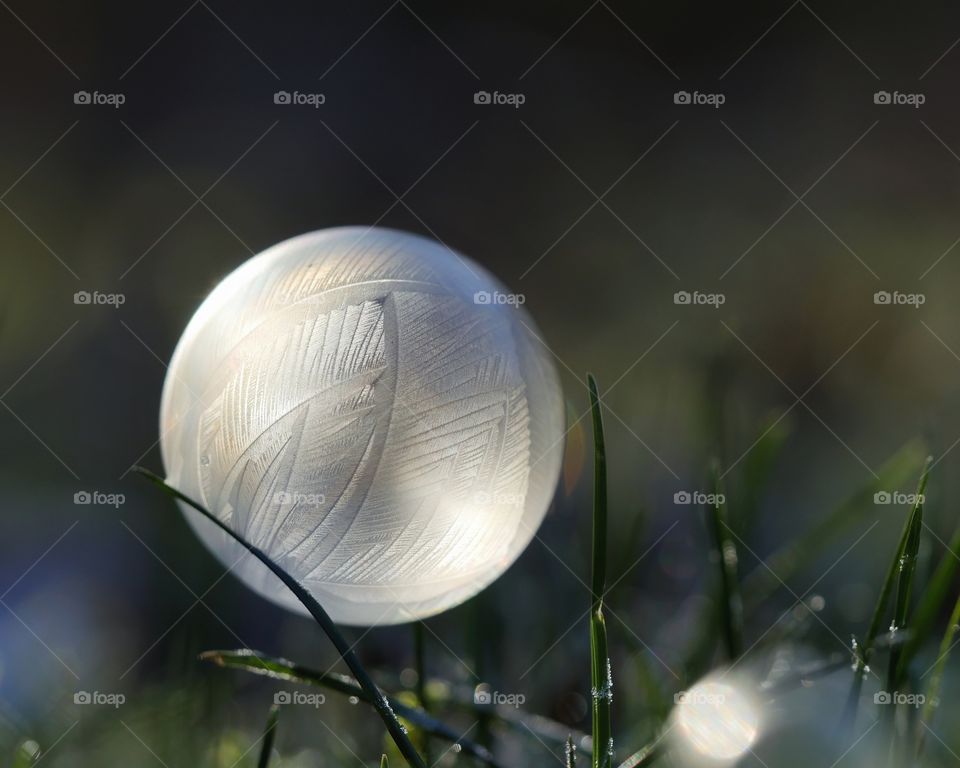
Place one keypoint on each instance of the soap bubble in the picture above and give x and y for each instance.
(373, 411)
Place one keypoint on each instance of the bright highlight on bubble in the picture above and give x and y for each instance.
(715, 721)
(374, 412)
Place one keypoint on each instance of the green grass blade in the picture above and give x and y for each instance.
(936, 678)
(758, 466)
(600, 672)
(269, 734)
(931, 600)
(570, 753)
(908, 566)
(420, 665)
(725, 553)
(646, 755)
(281, 669)
(380, 703)
(879, 611)
(384, 763)
(760, 583)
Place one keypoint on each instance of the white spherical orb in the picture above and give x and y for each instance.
(373, 411)
(714, 720)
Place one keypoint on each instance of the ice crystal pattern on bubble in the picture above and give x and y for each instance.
(348, 408)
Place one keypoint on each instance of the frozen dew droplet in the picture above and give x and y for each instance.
(605, 693)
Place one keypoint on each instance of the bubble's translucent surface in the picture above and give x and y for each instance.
(371, 410)
(717, 721)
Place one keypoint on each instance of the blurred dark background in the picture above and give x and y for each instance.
(99, 198)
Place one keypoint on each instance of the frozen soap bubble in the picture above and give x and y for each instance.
(371, 410)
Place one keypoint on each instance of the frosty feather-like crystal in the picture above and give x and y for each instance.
(374, 412)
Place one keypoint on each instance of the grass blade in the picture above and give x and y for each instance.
(908, 566)
(928, 608)
(281, 669)
(570, 753)
(758, 467)
(936, 678)
(646, 755)
(380, 703)
(420, 664)
(879, 611)
(268, 736)
(600, 673)
(725, 553)
(760, 583)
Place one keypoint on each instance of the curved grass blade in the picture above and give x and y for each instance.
(281, 669)
(518, 720)
(936, 678)
(268, 736)
(600, 673)
(760, 583)
(928, 607)
(380, 703)
(725, 553)
(863, 651)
